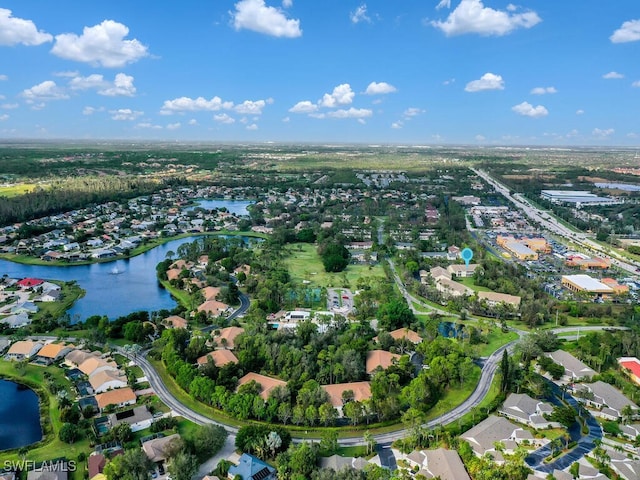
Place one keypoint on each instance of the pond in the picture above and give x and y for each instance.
(19, 416)
(237, 207)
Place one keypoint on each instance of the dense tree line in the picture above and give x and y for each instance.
(66, 194)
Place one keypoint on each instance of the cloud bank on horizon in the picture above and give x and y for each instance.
(453, 71)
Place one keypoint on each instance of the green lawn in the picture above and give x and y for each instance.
(15, 190)
(69, 294)
(469, 282)
(455, 396)
(497, 338)
(304, 263)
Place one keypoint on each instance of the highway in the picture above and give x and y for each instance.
(550, 223)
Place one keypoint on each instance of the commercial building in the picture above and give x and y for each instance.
(585, 283)
(577, 197)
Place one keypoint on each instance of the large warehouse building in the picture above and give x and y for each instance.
(585, 283)
(577, 197)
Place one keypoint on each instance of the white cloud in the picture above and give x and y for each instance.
(471, 16)
(44, 92)
(543, 90)
(602, 133)
(125, 114)
(122, 87)
(488, 81)
(360, 14)
(14, 31)
(173, 126)
(636, 84)
(91, 110)
(287, 3)
(351, 113)
(443, 4)
(480, 138)
(341, 95)
(249, 107)
(612, 76)
(580, 112)
(4, 117)
(67, 73)
(380, 88)
(528, 110)
(304, 106)
(193, 122)
(397, 125)
(412, 112)
(449, 82)
(224, 118)
(286, 120)
(628, 32)
(149, 125)
(253, 126)
(186, 104)
(255, 15)
(101, 45)
(4, 78)
(9, 106)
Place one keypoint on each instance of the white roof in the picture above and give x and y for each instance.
(588, 283)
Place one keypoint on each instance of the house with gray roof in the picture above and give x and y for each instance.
(137, 418)
(484, 436)
(606, 399)
(441, 463)
(524, 409)
(627, 469)
(574, 369)
(252, 468)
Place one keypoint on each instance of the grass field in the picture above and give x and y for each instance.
(304, 263)
(15, 190)
(468, 282)
(455, 396)
(496, 338)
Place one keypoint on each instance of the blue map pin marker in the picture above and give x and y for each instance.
(467, 255)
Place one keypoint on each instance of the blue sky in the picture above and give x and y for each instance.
(426, 72)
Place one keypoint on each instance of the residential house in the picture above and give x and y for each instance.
(104, 380)
(227, 336)
(574, 369)
(438, 273)
(524, 409)
(175, 321)
(463, 271)
(219, 358)
(627, 469)
(54, 470)
(53, 352)
(158, 450)
(452, 288)
(493, 299)
(380, 359)
(631, 431)
(23, 349)
(213, 307)
(210, 293)
(493, 429)
(120, 397)
(93, 365)
(406, 334)
(95, 464)
(440, 463)
(18, 320)
(76, 357)
(137, 418)
(252, 468)
(267, 384)
(608, 400)
(361, 391)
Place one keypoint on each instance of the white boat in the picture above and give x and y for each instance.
(115, 271)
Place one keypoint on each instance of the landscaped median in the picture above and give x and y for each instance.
(50, 447)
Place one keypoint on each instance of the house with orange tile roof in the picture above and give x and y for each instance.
(93, 365)
(210, 293)
(407, 333)
(173, 274)
(175, 321)
(361, 391)
(267, 384)
(219, 358)
(76, 357)
(226, 337)
(213, 307)
(380, 359)
(119, 397)
(52, 352)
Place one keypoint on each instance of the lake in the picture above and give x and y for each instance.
(19, 416)
(237, 207)
(135, 287)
